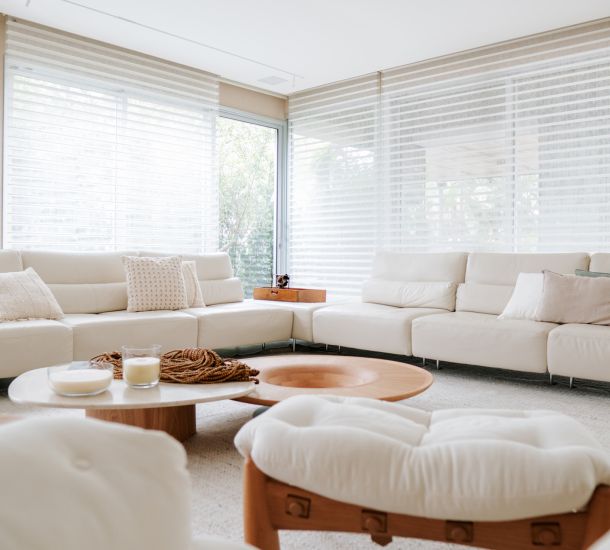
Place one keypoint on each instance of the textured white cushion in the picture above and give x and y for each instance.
(154, 283)
(581, 351)
(95, 334)
(23, 295)
(481, 339)
(221, 291)
(75, 484)
(241, 324)
(409, 294)
(459, 464)
(373, 327)
(422, 266)
(524, 302)
(194, 298)
(26, 345)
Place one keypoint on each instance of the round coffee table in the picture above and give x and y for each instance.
(283, 376)
(167, 407)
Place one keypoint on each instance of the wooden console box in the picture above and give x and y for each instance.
(289, 294)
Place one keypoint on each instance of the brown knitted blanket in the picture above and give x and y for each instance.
(191, 366)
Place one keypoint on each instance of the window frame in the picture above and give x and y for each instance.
(281, 178)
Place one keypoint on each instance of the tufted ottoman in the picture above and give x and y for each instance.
(488, 478)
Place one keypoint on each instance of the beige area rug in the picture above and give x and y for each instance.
(215, 466)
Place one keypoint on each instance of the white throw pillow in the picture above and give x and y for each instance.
(524, 302)
(24, 295)
(154, 283)
(409, 294)
(194, 297)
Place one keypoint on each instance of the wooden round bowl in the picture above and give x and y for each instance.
(282, 376)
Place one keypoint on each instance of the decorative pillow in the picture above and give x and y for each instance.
(409, 294)
(194, 297)
(24, 295)
(571, 299)
(524, 302)
(584, 273)
(154, 283)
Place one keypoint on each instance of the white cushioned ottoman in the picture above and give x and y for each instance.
(458, 464)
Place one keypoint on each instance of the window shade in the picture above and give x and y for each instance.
(106, 149)
(504, 148)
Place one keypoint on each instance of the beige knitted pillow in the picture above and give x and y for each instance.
(24, 295)
(194, 297)
(571, 299)
(154, 283)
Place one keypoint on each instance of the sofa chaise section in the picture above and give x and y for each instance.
(382, 327)
(474, 334)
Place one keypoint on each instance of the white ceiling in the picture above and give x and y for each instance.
(306, 43)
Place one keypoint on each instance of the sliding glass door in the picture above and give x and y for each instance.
(248, 183)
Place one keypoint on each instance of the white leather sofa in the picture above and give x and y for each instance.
(91, 289)
(75, 484)
(468, 330)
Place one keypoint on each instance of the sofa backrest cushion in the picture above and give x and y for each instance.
(415, 279)
(82, 282)
(491, 277)
(216, 277)
(10, 260)
(443, 267)
(409, 294)
(600, 262)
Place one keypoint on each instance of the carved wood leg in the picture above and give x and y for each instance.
(258, 529)
(598, 520)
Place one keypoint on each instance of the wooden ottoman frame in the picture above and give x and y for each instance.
(270, 505)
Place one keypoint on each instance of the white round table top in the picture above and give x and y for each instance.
(32, 388)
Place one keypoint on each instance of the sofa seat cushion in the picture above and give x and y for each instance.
(581, 351)
(374, 327)
(32, 344)
(302, 316)
(241, 324)
(482, 339)
(459, 464)
(99, 333)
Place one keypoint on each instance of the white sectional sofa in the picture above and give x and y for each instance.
(468, 330)
(91, 289)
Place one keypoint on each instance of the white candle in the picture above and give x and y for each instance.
(80, 381)
(140, 371)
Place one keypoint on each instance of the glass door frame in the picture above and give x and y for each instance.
(281, 179)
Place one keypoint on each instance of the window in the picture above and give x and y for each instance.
(106, 149)
(247, 152)
(504, 148)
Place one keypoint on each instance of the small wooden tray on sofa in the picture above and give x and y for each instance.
(290, 294)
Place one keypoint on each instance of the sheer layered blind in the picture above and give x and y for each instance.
(505, 148)
(106, 149)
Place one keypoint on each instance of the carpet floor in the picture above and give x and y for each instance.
(215, 465)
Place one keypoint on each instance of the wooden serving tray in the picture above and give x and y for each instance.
(289, 294)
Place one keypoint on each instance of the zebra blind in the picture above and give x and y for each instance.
(504, 148)
(105, 149)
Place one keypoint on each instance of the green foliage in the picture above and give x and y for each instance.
(247, 155)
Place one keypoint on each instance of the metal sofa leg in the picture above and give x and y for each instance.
(551, 378)
(294, 345)
(571, 382)
(438, 364)
(423, 361)
(326, 347)
(263, 346)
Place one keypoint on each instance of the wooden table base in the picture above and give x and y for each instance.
(179, 422)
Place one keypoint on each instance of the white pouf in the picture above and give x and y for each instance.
(458, 464)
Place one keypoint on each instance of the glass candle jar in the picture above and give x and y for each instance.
(141, 366)
(80, 378)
